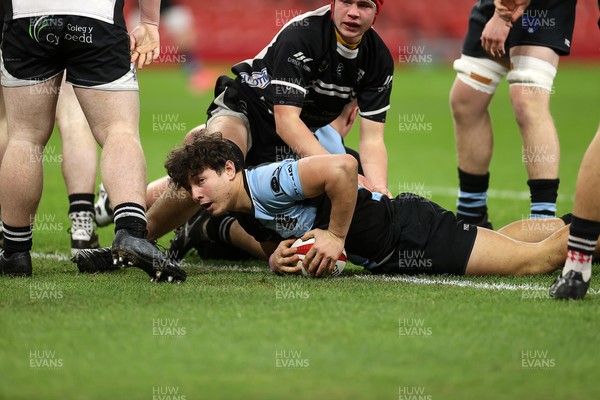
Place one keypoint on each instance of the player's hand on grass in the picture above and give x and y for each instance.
(494, 36)
(144, 44)
(284, 260)
(322, 256)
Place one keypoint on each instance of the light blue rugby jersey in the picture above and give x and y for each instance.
(278, 199)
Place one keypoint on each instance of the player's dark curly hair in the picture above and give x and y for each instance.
(207, 150)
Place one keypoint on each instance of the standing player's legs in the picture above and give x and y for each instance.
(79, 165)
(531, 78)
(574, 280)
(470, 97)
(113, 117)
(3, 143)
(21, 175)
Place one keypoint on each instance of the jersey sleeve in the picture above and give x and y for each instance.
(293, 67)
(376, 86)
(275, 186)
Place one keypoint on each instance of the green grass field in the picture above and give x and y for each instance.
(236, 331)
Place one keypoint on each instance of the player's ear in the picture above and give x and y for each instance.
(230, 169)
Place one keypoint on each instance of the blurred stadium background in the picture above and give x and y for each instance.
(227, 30)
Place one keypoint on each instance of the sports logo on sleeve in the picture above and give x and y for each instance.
(299, 60)
(259, 80)
(275, 185)
(290, 171)
(386, 85)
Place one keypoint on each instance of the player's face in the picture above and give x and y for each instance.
(212, 190)
(353, 18)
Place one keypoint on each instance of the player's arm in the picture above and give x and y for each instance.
(335, 175)
(144, 40)
(510, 10)
(294, 131)
(373, 155)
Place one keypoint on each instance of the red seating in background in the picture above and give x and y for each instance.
(235, 30)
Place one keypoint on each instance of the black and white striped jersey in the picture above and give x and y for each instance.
(305, 66)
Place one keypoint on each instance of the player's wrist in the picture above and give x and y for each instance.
(381, 188)
(505, 18)
(150, 22)
(336, 235)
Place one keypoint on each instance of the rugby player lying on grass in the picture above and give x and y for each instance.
(319, 197)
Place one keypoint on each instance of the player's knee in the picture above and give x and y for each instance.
(533, 74)
(189, 137)
(347, 163)
(233, 128)
(481, 74)
(464, 106)
(528, 109)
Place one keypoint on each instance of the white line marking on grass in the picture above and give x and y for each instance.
(50, 256)
(385, 278)
(236, 268)
(460, 283)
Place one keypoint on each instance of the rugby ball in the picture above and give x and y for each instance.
(304, 246)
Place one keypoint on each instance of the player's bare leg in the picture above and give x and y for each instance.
(531, 88)
(3, 143)
(232, 128)
(472, 127)
(80, 151)
(172, 209)
(159, 186)
(113, 117)
(474, 145)
(3, 127)
(574, 280)
(79, 165)
(21, 175)
(496, 254)
(532, 230)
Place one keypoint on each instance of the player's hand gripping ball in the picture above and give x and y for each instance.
(304, 246)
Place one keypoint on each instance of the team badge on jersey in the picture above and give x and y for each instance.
(260, 79)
